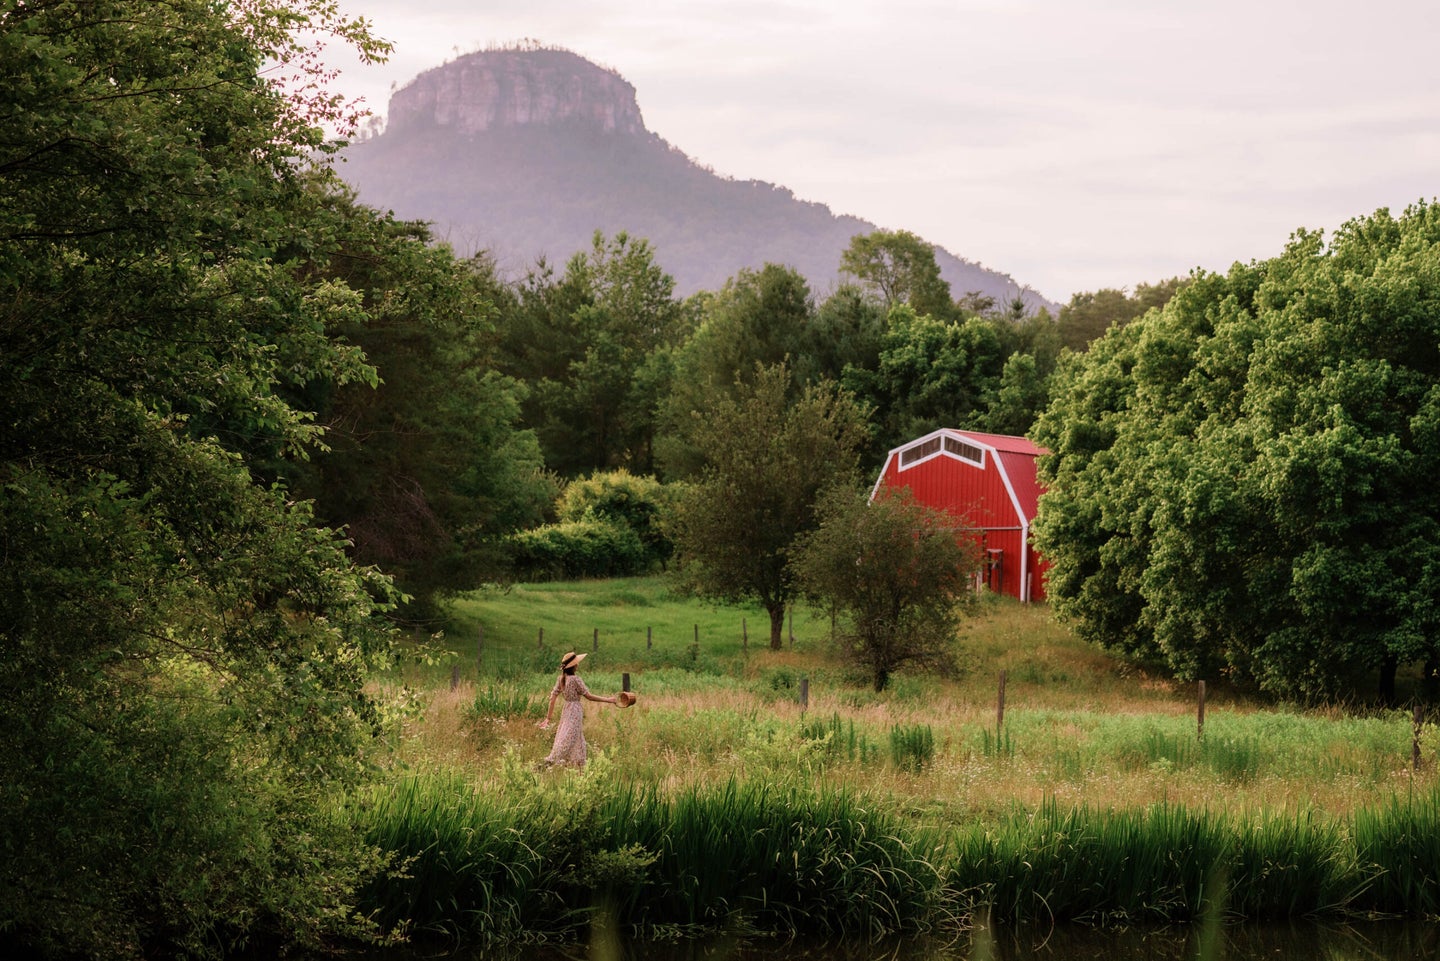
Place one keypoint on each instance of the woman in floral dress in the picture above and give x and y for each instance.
(569, 747)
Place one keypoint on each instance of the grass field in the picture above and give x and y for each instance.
(721, 802)
(1078, 727)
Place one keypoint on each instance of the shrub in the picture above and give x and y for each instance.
(638, 503)
(573, 549)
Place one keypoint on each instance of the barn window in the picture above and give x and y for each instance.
(920, 451)
(964, 451)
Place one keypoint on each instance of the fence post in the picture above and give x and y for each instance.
(1415, 747)
(1200, 715)
(625, 681)
(454, 676)
(1000, 706)
(648, 635)
(596, 643)
(804, 693)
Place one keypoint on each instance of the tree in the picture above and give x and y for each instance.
(426, 471)
(1089, 314)
(759, 319)
(590, 346)
(931, 374)
(899, 268)
(1239, 482)
(897, 571)
(183, 650)
(846, 332)
(767, 460)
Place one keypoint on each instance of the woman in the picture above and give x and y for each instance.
(569, 747)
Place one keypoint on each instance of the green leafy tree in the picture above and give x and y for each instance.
(898, 268)
(1239, 482)
(767, 460)
(1089, 314)
(758, 319)
(426, 472)
(592, 347)
(931, 374)
(183, 650)
(846, 332)
(896, 571)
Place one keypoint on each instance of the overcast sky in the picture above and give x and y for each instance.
(1073, 144)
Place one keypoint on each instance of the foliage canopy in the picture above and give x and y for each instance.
(1242, 482)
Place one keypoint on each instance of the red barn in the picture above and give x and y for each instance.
(987, 482)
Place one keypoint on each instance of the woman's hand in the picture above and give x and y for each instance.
(543, 724)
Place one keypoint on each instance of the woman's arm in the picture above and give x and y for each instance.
(550, 708)
(602, 700)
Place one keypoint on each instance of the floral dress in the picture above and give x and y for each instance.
(569, 745)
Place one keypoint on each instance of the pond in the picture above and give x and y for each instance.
(1367, 941)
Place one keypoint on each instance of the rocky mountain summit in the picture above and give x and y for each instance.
(513, 88)
(527, 152)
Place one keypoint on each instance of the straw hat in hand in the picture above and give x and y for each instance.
(624, 699)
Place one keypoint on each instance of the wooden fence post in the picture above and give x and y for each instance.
(1200, 715)
(596, 643)
(625, 681)
(454, 676)
(1415, 746)
(1000, 706)
(804, 693)
(648, 635)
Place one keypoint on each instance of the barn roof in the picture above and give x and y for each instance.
(1015, 457)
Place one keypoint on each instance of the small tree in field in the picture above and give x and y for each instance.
(768, 458)
(897, 574)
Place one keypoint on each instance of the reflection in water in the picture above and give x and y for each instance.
(1370, 941)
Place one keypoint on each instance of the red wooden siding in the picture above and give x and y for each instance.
(996, 496)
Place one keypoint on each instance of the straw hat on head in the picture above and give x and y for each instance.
(571, 660)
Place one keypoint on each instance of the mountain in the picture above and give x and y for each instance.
(527, 152)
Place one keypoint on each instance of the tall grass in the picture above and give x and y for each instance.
(1096, 800)
(536, 859)
(533, 857)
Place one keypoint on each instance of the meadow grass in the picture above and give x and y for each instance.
(1097, 799)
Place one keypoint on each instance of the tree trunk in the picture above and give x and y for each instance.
(1387, 680)
(882, 678)
(777, 626)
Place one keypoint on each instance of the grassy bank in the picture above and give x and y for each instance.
(720, 800)
(543, 857)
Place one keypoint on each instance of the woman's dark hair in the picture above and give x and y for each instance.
(568, 670)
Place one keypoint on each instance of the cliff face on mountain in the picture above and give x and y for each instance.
(513, 88)
(528, 152)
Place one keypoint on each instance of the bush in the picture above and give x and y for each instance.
(574, 549)
(638, 503)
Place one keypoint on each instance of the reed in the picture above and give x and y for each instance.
(912, 747)
(539, 858)
(536, 857)
(1399, 844)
